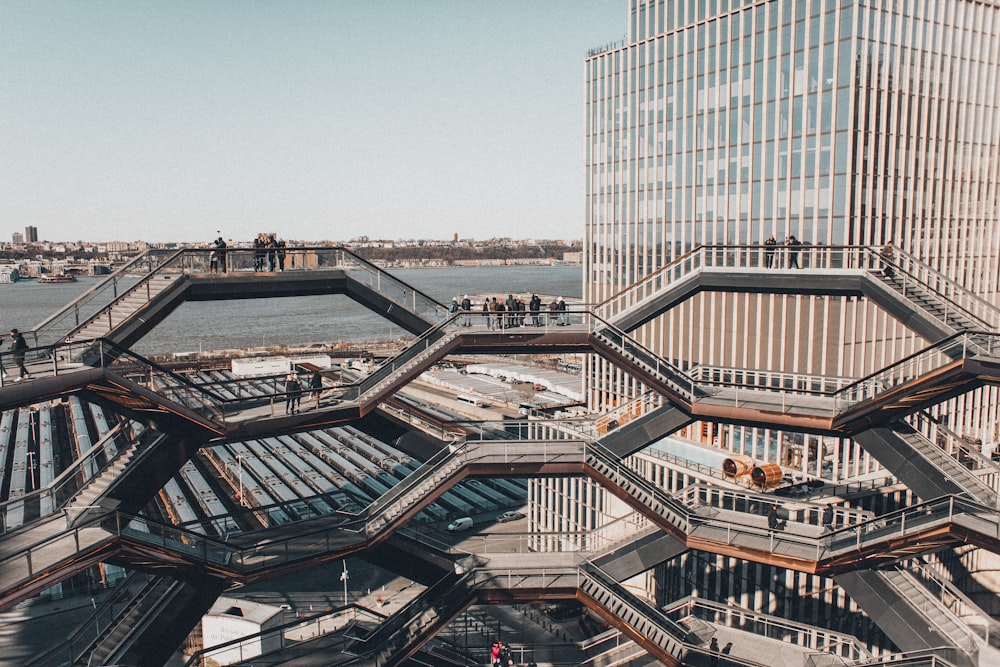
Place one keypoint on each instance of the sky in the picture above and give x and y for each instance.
(317, 120)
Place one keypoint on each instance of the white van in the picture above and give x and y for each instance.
(471, 400)
(460, 524)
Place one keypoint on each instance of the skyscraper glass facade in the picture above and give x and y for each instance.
(838, 122)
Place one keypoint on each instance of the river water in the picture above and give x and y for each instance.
(295, 320)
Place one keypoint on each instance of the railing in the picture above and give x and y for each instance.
(917, 517)
(958, 346)
(429, 470)
(76, 476)
(79, 310)
(738, 258)
(686, 652)
(84, 634)
(346, 621)
(345, 532)
(687, 465)
(623, 414)
(970, 303)
(960, 449)
(414, 418)
(909, 271)
(808, 637)
(950, 469)
(641, 488)
(698, 495)
(923, 601)
(860, 531)
(958, 603)
(134, 279)
(68, 358)
(765, 379)
(942, 656)
(641, 356)
(208, 399)
(390, 637)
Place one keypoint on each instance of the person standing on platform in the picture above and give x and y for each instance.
(828, 517)
(19, 347)
(505, 657)
(281, 245)
(220, 250)
(259, 252)
(535, 306)
(271, 243)
(466, 311)
(215, 255)
(293, 393)
(563, 315)
(774, 521)
(793, 251)
(770, 247)
(316, 385)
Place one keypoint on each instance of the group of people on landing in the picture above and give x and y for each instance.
(792, 250)
(268, 254)
(269, 248)
(501, 313)
(294, 389)
(792, 247)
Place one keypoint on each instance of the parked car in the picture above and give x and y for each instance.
(510, 515)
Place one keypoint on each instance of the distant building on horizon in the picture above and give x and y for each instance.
(31, 234)
(17, 238)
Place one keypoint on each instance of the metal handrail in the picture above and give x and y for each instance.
(281, 551)
(960, 345)
(154, 263)
(67, 357)
(737, 618)
(73, 478)
(955, 296)
(97, 296)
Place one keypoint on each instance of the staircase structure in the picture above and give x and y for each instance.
(909, 614)
(961, 503)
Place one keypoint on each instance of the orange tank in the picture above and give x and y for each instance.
(737, 465)
(766, 475)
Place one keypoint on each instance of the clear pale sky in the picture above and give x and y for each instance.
(325, 120)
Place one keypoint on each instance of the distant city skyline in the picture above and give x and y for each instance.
(325, 121)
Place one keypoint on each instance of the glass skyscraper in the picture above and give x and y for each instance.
(839, 122)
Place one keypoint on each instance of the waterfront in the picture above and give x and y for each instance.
(292, 321)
